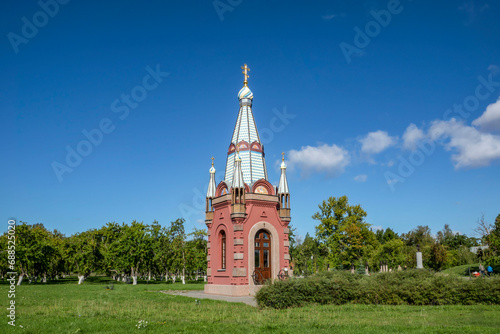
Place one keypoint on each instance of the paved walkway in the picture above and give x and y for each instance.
(202, 295)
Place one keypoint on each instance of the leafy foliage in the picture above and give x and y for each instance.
(412, 287)
(342, 230)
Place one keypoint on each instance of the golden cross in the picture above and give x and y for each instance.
(245, 69)
(283, 154)
(212, 161)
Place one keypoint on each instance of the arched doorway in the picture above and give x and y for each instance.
(262, 256)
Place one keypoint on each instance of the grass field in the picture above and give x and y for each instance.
(89, 308)
(464, 270)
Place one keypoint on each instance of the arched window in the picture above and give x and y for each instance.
(222, 250)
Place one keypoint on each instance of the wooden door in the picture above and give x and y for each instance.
(262, 256)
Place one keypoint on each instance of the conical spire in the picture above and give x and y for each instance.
(238, 181)
(283, 185)
(246, 137)
(211, 185)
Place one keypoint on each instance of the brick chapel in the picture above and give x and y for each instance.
(246, 216)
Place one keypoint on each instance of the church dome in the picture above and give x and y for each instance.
(245, 93)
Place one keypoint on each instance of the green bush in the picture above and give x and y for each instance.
(412, 287)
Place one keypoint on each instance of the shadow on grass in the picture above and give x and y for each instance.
(97, 280)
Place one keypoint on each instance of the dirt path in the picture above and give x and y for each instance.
(201, 295)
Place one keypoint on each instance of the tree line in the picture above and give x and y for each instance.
(121, 251)
(343, 239)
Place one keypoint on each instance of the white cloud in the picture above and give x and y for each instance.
(473, 148)
(412, 136)
(490, 119)
(331, 16)
(361, 178)
(375, 228)
(323, 158)
(376, 142)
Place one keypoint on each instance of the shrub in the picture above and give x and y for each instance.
(412, 287)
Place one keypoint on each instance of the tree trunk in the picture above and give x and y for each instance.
(174, 276)
(204, 278)
(20, 280)
(81, 278)
(44, 279)
(134, 276)
(183, 267)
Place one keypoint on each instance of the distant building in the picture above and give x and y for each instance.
(246, 216)
(476, 248)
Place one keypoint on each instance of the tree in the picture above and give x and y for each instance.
(420, 235)
(132, 246)
(307, 255)
(342, 230)
(163, 252)
(111, 262)
(177, 240)
(392, 251)
(196, 252)
(4, 255)
(483, 228)
(493, 240)
(386, 235)
(438, 256)
(33, 250)
(57, 263)
(83, 253)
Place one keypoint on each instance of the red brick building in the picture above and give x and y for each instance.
(247, 217)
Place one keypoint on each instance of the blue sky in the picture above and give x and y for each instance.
(394, 104)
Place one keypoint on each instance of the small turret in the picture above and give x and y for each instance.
(284, 193)
(238, 203)
(209, 210)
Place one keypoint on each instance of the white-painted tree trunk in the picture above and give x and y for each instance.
(81, 278)
(173, 278)
(44, 279)
(205, 278)
(20, 280)
(134, 279)
(183, 278)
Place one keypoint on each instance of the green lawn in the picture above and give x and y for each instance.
(90, 308)
(464, 270)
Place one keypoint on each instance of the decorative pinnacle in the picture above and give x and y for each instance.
(283, 154)
(212, 161)
(245, 69)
